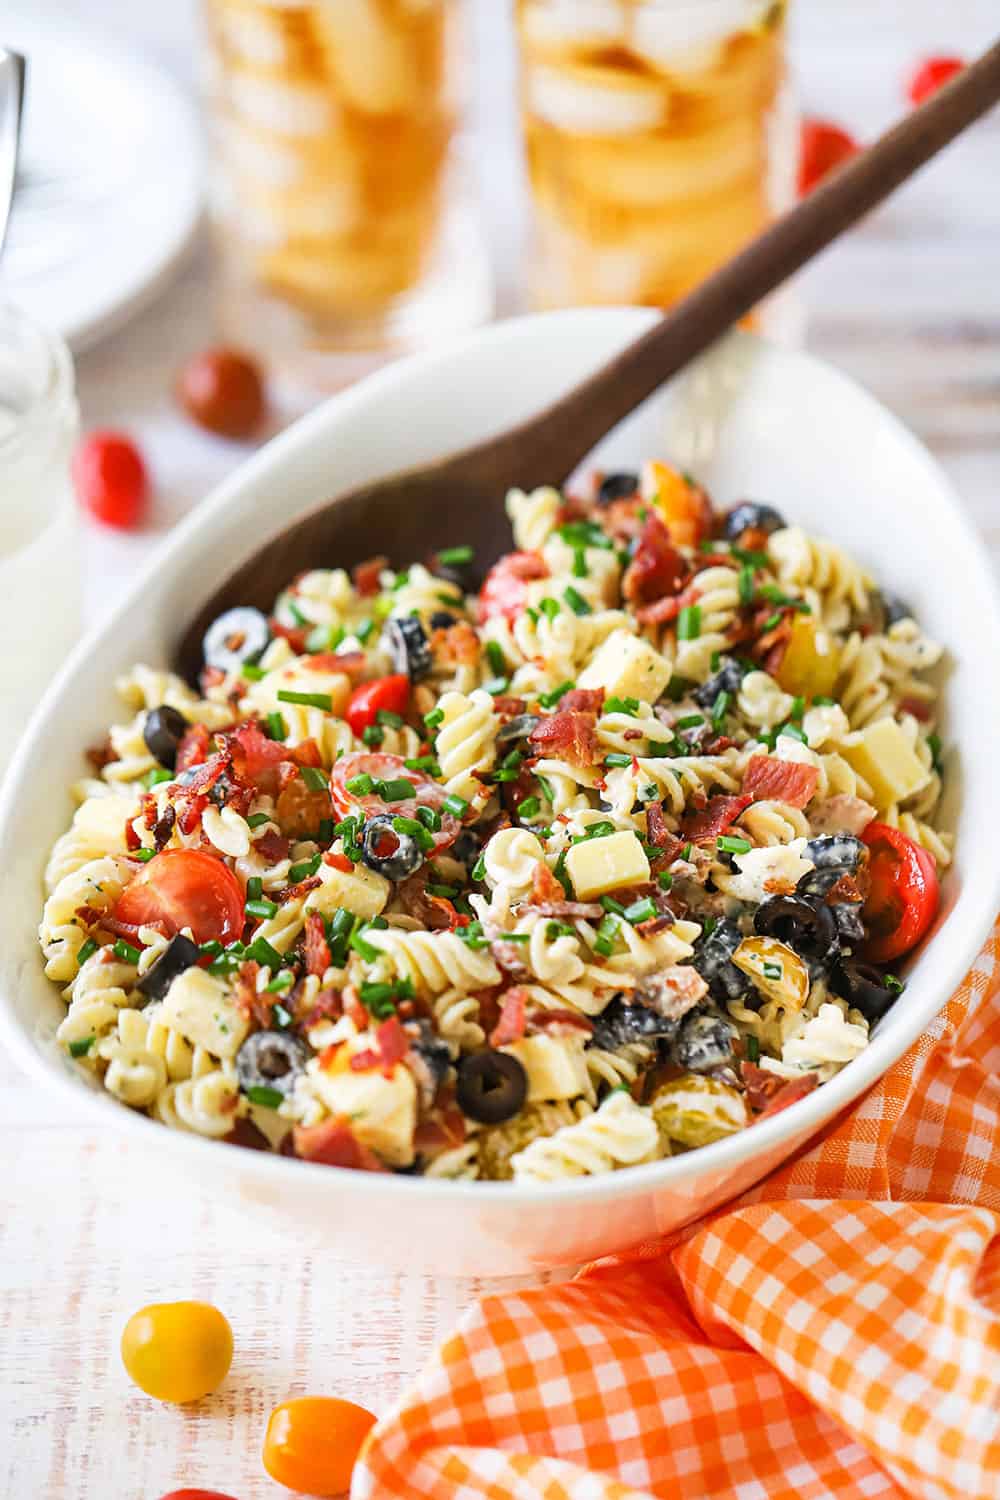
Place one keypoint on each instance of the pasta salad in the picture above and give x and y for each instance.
(594, 859)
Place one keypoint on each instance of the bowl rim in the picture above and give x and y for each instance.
(979, 902)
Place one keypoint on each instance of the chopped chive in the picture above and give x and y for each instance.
(691, 721)
(324, 638)
(529, 808)
(617, 758)
(677, 688)
(315, 779)
(601, 830)
(262, 952)
(304, 870)
(546, 788)
(364, 630)
(746, 584)
(479, 868)
(659, 748)
(730, 843)
(771, 622)
(82, 1047)
(606, 934)
(426, 763)
(753, 559)
(387, 717)
(824, 702)
(772, 971)
(86, 950)
(255, 888)
(549, 700)
(267, 1098)
(580, 569)
(933, 745)
(628, 706)
(686, 852)
(251, 673)
(156, 777)
(665, 880)
(360, 786)
(495, 657)
(797, 709)
(454, 557)
(753, 1049)
(263, 909)
(280, 1017)
(373, 735)
(394, 790)
(126, 952)
(143, 855)
(257, 820)
(517, 937)
(410, 828)
(689, 623)
(793, 731)
(496, 686)
(894, 985)
(532, 614)
(456, 805)
(719, 708)
(430, 818)
(445, 891)
(610, 904)
(560, 873)
(368, 952)
(307, 700)
(212, 948)
(277, 729)
(640, 911)
(576, 601)
(549, 607)
(472, 934)
(713, 661)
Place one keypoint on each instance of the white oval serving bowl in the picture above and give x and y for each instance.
(751, 421)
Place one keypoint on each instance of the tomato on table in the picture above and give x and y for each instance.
(177, 1351)
(389, 694)
(353, 782)
(196, 1495)
(185, 888)
(904, 894)
(312, 1443)
(822, 147)
(505, 588)
(110, 478)
(930, 75)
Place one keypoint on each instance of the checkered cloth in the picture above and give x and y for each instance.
(836, 1333)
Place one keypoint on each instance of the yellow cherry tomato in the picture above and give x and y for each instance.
(312, 1443)
(684, 507)
(811, 662)
(177, 1351)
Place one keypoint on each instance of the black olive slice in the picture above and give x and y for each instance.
(619, 1024)
(713, 959)
(179, 954)
(519, 728)
(492, 1087)
(704, 1041)
(864, 986)
(442, 620)
(234, 638)
(387, 852)
(726, 680)
(808, 929)
(271, 1060)
(163, 731)
(752, 516)
(617, 487)
(409, 649)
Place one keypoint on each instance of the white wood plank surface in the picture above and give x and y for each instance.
(911, 306)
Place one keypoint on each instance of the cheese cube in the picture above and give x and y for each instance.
(202, 1010)
(382, 1111)
(297, 676)
(600, 865)
(360, 890)
(554, 1065)
(883, 756)
(626, 666)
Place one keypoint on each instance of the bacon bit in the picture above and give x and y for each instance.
(847, 890)
(545, 888)
(255, 759)
(92, 917)
(657, 568)
(714, 560)
(573, 508)
(767, 1093)
(102, 755)
(193, 748)
(446, 1128)
(659, 834)
(252, 1005)
(558, 1021)
(245, 1133)
(672, 992)
(588, 910)
(393, 1043)
(430, 911)
(513, 793)
(509, 958)
(189, 818)
(770, 649)
(917, 708)
(334, 1144)
(667, 609)
(718, 814)
(570, 736)
(132, 839)
(456, 644)
(295, 635)
(353, 1009)
(211, 677)
(717, 745)
(164, 827)
(306, 754)
(317, 949)
(366, 575)
(584, 700)
(653, 925)
(338, 862)
(768, 778)
(293, 892)
(511, 1025)
(328, 1006)
(509, 707)
(272, 846)
(299, 809)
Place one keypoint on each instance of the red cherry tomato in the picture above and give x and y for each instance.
(822, 147)
(185, 888)
(930, 75)
(426, 793)
(505, 589)
(110, 478)
(390, 693)
(196, 1495)
(222, 390)
(904, 895)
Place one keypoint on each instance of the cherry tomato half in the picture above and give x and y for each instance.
(505, 589)
(110, 478)
(930, 75)
(822, 147)
(177, 1351)
(904, 895)
(389, 693)
(185, 888)
(312, 1443)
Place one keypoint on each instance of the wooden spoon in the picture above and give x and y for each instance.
(459, 498)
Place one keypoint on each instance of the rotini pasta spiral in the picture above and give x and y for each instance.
(620, 1133)
(466, 743)
(435, 961)
(533, 516)
(823, 573)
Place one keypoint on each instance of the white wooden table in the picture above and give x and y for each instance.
(910, 305)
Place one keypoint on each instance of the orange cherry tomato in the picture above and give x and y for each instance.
(177, 1351)
(185, 888)
(930, 75)
(389, 693)
(312, 1443)
(904, 894)
(823, 146)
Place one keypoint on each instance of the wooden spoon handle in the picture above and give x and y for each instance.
(553, 442)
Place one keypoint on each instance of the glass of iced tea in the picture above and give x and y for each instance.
(660, 136)
(345, 229)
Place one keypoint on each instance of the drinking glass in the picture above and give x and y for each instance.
(345, 221)
(660, 136)
(40, 577)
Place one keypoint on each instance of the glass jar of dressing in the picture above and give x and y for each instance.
(40, 574)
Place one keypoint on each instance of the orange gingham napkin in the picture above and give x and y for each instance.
(835, 1333)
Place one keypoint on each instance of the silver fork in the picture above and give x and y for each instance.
(13, 71)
